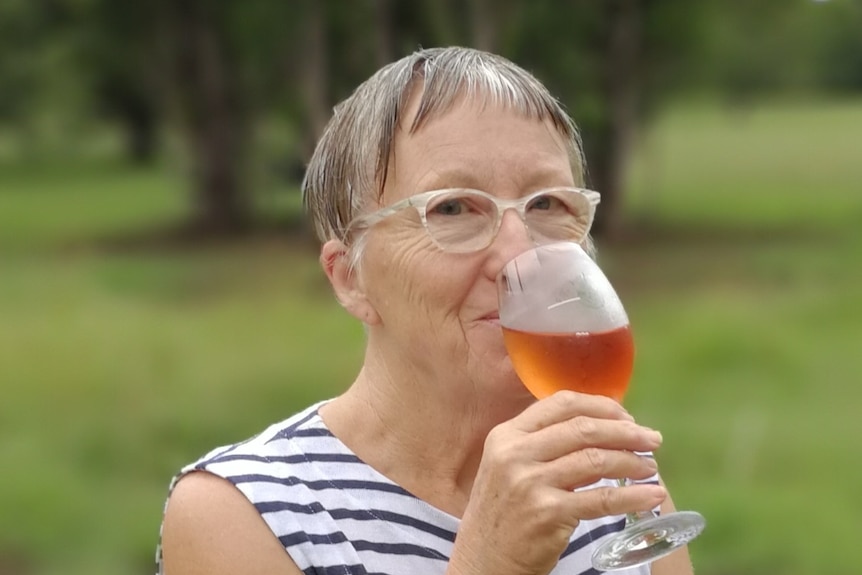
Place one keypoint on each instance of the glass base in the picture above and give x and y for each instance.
(646, 540)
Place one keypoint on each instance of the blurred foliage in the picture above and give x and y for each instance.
(770, 47)
(203, 82)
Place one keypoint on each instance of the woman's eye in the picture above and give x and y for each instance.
(543, 203)
(450, 208)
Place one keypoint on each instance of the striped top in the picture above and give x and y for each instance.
(336, 515)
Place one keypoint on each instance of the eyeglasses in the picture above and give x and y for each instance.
(464, 220)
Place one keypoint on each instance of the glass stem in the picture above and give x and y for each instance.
(637, 515)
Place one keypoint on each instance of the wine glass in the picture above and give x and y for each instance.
(565, 328)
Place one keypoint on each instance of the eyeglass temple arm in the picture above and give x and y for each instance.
(368, 220)
(593, 197)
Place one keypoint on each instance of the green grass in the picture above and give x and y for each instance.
(121, 368)
(744, 289)
(44, 205)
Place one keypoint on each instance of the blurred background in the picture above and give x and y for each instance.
(160, 296)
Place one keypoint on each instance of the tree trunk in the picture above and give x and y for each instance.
(141, 142)
(314, 78)
(442, 21)
(140, 125)
(384, 44)
(484, 23)
(135, 112)
(208, 90)
(613, 144)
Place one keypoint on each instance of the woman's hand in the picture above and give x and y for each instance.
(523, 509)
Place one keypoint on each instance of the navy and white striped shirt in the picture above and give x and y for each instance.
(335, 514)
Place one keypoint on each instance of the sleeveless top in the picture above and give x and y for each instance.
(336, 515)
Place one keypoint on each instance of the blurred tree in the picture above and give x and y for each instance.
(118, 48)
(19, 24)
(837, 46)
(384, 33)
(621, 82)
(485, 23)
(73, 61)
(225, 64)
(752, 50)
(207, 91)
(37, 69)
(313, 79)
(613, 63)
(221, 69)
(749, 47)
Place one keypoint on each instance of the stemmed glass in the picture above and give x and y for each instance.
(565, 328)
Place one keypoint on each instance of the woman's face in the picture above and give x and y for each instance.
(438, 311)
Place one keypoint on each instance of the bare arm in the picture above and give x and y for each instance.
(211, 528)
(678, 562)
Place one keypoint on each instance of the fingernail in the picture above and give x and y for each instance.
(651, 463)
(655, 435)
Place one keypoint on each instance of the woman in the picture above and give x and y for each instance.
(436, 459)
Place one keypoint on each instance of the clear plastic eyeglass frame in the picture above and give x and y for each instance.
(420, 202)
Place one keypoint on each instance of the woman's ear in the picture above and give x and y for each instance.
(349, 291)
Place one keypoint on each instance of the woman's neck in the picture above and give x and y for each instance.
(425, 435)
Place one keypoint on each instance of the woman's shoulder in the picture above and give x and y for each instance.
(210, 505)
(209, 527)
(274, 443)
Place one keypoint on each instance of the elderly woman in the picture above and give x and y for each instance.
(436, 459)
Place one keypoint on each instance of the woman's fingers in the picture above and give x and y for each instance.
(589, 465)
(576, 439)
(602, 501)
(565, 405)
(581, 432)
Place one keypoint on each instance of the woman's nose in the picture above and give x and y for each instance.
(513, 239)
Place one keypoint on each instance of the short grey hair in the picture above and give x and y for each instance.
(350, 163)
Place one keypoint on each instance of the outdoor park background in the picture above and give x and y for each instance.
(159, 295)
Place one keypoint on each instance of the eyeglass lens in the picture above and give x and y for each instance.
(464, 221)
